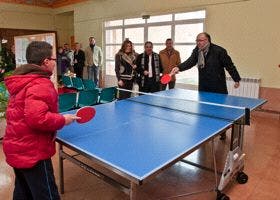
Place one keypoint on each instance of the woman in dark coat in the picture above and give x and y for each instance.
(124, 67)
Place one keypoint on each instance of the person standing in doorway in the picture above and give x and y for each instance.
(62, 63)
(70, 56)
(79, 60)
(94, 59)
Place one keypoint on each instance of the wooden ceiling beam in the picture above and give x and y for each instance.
(44, 3)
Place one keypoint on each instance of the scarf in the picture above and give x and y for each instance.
(157, 68)
(201, 56)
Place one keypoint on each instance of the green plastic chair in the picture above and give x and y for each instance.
(66, 80)
(78, 83)
(67, 101)
(89, 84)
(88, 97)
(107, 95)
(2, 87)
(3, 90)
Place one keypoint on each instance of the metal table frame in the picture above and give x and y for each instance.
(131, 190)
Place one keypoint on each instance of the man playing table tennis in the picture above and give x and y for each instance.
(211, 61)
(32, 122)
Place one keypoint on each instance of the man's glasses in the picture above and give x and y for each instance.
(52, 59)
(200, 40)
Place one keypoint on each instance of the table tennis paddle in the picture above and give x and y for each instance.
(166, 78)
(86, 114)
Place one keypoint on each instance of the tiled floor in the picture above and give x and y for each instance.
(262, 148)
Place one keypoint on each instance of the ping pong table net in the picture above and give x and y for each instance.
(229, 113)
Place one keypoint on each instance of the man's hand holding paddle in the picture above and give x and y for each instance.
(166, 78)
(174, 71)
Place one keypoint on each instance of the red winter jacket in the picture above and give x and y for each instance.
(32, 119)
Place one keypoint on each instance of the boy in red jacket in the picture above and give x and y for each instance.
(32, 122)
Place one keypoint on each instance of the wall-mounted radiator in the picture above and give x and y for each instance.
(249, 87)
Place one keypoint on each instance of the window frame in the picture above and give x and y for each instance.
(146, 26)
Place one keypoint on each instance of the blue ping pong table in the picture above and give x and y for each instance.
(137, 140)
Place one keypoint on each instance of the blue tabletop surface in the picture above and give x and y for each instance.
(139, 139)
(194, 95)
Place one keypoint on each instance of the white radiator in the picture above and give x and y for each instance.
(249, 87)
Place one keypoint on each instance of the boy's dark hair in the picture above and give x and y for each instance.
(37, 52)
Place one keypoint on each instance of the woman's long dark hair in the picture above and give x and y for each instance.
(124, 44)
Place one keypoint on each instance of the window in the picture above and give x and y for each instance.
(189, 32)
(158, 34)
(190, 15)
(134, 21)
(135, 34)
(114, 23)
(159, 18)
(181, 27)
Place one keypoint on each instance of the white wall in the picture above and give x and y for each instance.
(25, 17)
(246, 28)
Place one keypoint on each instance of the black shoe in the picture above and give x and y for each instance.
(223, 136)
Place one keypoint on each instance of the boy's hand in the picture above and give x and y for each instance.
(69, 118)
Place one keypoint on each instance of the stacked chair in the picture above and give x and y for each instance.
(67, 81)
(89, 84)
(87, 94)
(67, 101)
(78, 83)
(88, 97)
(107, 95)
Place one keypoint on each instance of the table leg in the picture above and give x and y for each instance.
(234, 164)
(214, 162)
(133, 191)
(237, 135)
(61, 172)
